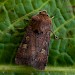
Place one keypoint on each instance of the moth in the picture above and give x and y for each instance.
(33, 50)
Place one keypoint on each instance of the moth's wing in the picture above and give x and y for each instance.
(41, 60)
(22, 56)
(42, 43)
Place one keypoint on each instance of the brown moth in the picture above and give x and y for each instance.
(33, 50)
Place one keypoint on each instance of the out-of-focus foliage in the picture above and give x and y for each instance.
(12, 23)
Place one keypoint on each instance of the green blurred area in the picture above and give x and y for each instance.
(12, 23)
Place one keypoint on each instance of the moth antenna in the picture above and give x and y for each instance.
(55, 36)
(52, 17)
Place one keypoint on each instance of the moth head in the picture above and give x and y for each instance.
(40, 17)
(45, 21)
(41, 22)
(44, 13)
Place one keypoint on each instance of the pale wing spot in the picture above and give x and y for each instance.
(44, 43)
(27, 38)
(25, 46)
(43, 51)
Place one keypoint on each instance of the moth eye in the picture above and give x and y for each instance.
(44, 11)
(47, 15)
(40, 12)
